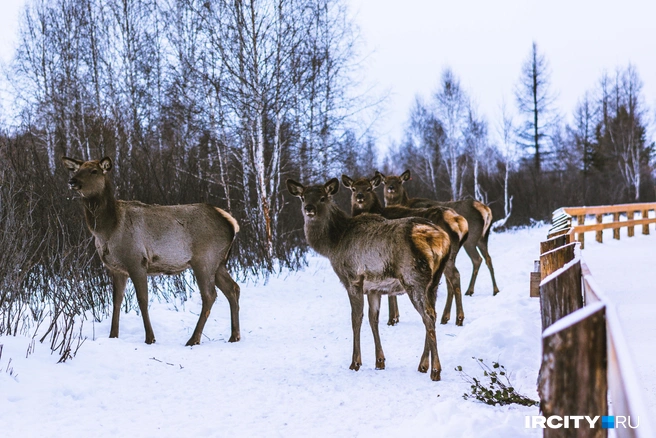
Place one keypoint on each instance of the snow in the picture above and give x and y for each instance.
(625, 271)
(288, 376)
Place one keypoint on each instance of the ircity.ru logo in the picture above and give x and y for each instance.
(576, 421)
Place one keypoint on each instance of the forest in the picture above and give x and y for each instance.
(221, 101)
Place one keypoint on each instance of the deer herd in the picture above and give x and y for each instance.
(402, 247)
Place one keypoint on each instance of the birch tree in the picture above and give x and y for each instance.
(451, 105)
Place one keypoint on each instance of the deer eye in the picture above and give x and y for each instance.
(94, 171)
(368, 189)
(323, 199)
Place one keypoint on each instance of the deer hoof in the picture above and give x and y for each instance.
(436, 375)
(459, 321)
(422, 368)
(380, 364)
(495, 292)
(444, 320)
(234, 338)
(150, 340)
(355, 366)
(469, 293)
(393, 321)
(192, 341)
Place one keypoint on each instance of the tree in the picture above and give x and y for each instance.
(506, 130)
(535, 103)
(451, 106)
(622, 132)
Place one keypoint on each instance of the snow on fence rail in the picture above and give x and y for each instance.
(584, 353)
(606, 217)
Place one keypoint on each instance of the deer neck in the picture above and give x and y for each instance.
(100, 213)
(324, 234)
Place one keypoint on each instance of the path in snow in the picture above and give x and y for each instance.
(288, 376)
(626, 272)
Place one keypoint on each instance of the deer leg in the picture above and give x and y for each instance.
(357, 305)
(453, 276)
(393, 310)
(427, 313)
(446, 314)
(141, 287)
(231, 291)
(476, 259)
(208, 296)
(374, 311)
(488, 261)
(118, 292)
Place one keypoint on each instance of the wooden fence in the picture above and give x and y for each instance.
(605, 217)
(585, 359)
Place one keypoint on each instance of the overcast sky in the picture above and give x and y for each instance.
(409, 42)
(485, 43)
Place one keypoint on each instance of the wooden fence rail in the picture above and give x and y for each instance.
(584, 355)
(562, 220)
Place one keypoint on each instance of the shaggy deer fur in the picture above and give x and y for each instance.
(365, 200)
(136, 240)
(478, 215)
(373, 256)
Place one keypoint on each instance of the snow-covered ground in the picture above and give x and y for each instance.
(289, 375)
(626, 272)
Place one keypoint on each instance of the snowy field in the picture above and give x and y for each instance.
(289, 375)
(626, 272)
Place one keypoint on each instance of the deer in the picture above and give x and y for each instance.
(373, 256)
(478, 215)
(135, 240)
(365, 200)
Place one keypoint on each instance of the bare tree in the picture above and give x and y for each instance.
(451, 106)
(535, 103)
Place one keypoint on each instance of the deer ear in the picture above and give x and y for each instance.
(348, 182)
(296, 189)
(332, 186)
(71, 164)
(376, 180)
(405, 176)
(106, 164)
(382, 177)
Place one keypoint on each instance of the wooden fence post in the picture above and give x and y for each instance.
(616, 231)
(645, 227)
(573, 371)
(555, 259)
(561, 295)
(580, 220)
(600, 233)
(629, 216)
(555, 242)
(534, 287)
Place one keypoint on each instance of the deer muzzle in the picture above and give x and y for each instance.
(310, 210)
(74, 184)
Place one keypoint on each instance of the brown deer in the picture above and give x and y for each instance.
(372, 256)
(136, 240)
(365, 200)
(478, 215)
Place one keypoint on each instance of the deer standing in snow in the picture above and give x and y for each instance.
(478, 215)
(365, 200)
(136, 240)
(373, 256)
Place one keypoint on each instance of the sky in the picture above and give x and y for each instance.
(407, 44)
(485, 43)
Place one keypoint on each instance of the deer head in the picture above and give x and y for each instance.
(89, 178)
(363, 197)
(316, 199)
(394, 190)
